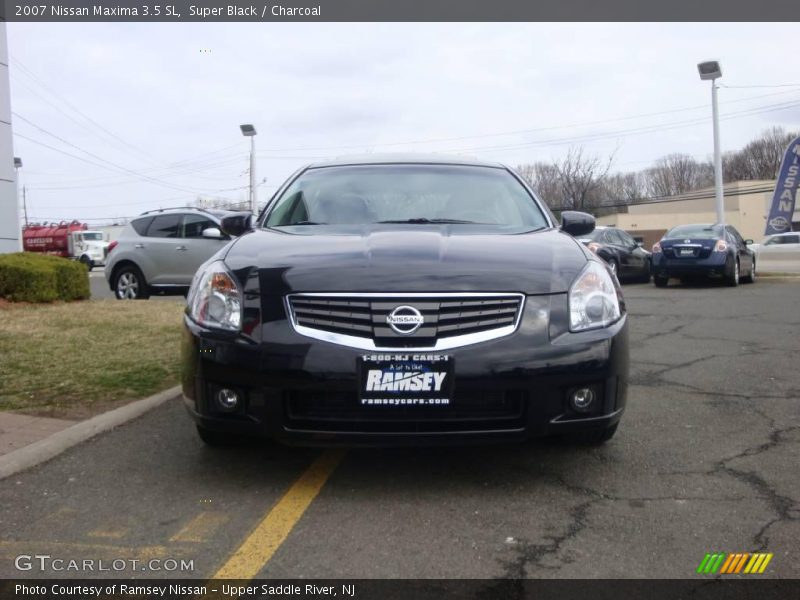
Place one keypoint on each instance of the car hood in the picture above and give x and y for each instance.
(407, 259)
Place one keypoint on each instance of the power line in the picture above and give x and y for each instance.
(26, 71)
(524, 131)
(95, 156)
(628, 132)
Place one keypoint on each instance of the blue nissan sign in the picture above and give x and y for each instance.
(783, 199)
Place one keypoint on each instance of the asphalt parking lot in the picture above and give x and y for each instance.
(706, 460)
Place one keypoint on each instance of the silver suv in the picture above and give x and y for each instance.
(159, 251)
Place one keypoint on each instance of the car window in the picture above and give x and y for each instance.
(627, 240)
(614, 237)
(407, 193)
(791, 239)
(140, 225)
(703, 232)
(736, 236)
(164, 226)
(195, 225)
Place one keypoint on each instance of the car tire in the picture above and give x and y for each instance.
(751, 277)
(661, 281)
(88, 262)
(733, 278)
(593, 437)
(130, 284)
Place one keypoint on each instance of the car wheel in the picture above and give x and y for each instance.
(216, 439)
(592, 438)
(751, 277)
(661, 281)
(733, 278)
(88, 262)
(129, 284)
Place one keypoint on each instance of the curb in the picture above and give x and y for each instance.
(52, 446)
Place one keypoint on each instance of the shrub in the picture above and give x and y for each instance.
(32, 277)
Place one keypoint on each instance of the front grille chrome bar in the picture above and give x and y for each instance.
(507, 324)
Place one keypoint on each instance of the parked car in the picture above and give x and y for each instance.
(703, 251)
(625, 257)
(390, 300)
(160, 251)
(779, 246)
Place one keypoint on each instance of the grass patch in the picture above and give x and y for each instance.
(76, 359)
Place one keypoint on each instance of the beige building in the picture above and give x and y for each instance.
(747, 204)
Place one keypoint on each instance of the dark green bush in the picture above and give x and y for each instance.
(32, 277)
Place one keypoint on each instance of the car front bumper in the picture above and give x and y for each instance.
(304, 391)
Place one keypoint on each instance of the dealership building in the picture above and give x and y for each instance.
(747, 205)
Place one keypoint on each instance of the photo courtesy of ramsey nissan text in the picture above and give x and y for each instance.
(429, 300)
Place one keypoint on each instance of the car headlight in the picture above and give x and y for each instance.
(593, 300)
(214, 299)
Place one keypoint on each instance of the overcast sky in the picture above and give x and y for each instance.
(150, 113)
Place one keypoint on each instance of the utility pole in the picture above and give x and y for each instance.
(25, 205)
(253, 195)
(712, 70)
(249, 130)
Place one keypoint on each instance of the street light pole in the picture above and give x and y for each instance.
(250, 131)
(253, 200)
(712, 70)
(17, 167)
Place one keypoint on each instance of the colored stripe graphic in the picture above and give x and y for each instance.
(765, 563)
(735, 563)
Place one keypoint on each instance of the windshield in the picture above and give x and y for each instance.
(407, 194)
(92, 236)
(702, 232)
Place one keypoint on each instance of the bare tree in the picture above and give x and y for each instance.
(677, 174)
(544, 179)
(623, 188)
(760, 159)
(581, 177)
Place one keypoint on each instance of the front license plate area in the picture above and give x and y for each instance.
(422, 380)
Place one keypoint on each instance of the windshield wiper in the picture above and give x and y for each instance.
(425, 221)
(307, 223)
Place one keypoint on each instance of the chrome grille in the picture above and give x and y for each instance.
(450, 320)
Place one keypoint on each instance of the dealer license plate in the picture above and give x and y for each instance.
(686, 252)
(415, 379)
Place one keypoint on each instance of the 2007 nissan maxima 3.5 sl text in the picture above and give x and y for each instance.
(405, 300)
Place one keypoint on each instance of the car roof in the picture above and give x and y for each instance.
(404, 158)
(217, 212)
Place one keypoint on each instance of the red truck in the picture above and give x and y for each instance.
(68, 239)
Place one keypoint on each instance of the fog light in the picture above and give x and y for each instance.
(582, 399)
(227, 399)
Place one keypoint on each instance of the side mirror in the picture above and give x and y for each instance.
(237, 223)
(213, 233)
(577, 223)
(748, 242)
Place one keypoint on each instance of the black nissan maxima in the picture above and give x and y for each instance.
(405, 300)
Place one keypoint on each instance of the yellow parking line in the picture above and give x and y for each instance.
(201, 527)
(258, 547)
(112, 534)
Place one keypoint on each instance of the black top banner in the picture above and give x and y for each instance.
(401, 10)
